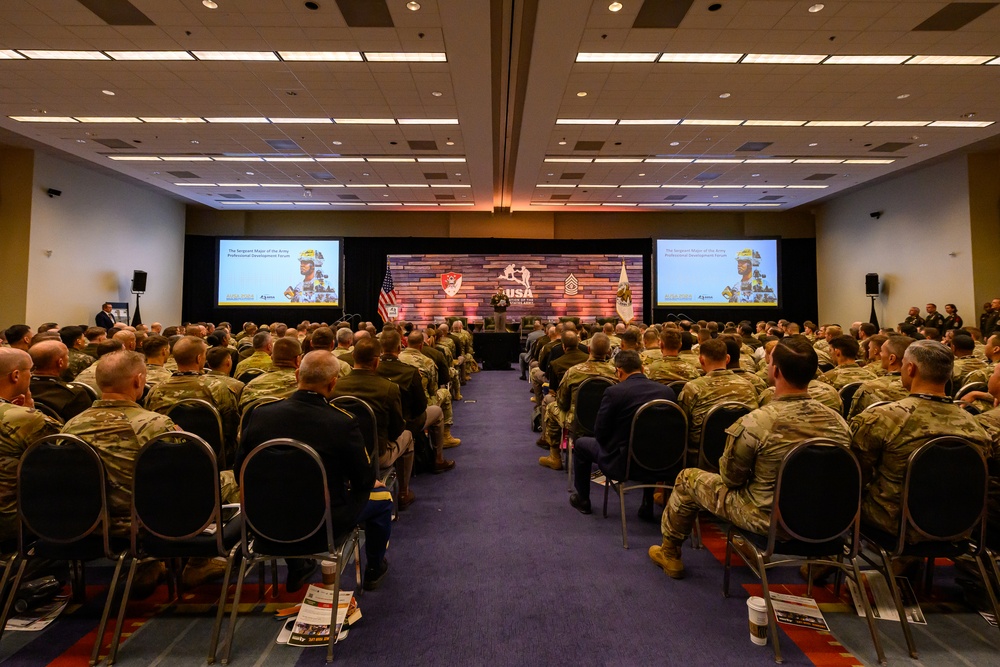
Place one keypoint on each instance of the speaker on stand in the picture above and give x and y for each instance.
(871, 289)
(138, 288)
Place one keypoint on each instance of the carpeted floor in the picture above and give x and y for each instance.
(491, 566)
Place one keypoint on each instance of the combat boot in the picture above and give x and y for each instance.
(668, 556)
(449, 439)
(553, 460)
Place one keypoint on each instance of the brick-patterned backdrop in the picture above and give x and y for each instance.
(421, 296)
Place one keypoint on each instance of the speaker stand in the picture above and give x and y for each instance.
(137, 319)
(873, 318)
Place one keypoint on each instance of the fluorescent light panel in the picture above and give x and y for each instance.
(782, 59)
(774, 123)
(236, 55)
(302, 121)
(700, 57)
(236, 119)
(8, 54)
(320, 56)
(107, 119)
(376, 57)
(898, 123)
(427, 121)
(44, 119)
(865, 60)
(961, 123)
(47, 54)
(709, 121)
(948, 60)
(649, 121)
(170, 119)
(586, 121)
(364, 121)
(837, 123)
(616, 57)
(150, 55)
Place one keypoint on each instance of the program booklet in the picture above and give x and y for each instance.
(312, 625)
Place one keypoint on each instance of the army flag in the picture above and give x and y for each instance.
(387, 295)
(623, 300)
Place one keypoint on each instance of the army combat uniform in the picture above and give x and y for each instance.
(966, 366)
(743, 491)
(436, 395)
(280, 383)
(259, 359)
(888, 387)
(77, 362)
(672, 369)
(559, 413)
(820, 391)
(702, 394)
(842, 376)
(156, 374)
(198, 384)
(19, 427)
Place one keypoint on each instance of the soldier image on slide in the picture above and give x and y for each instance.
(314, 287)
(751, 288)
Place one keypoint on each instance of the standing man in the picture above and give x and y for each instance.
(104, 319)
(934, 318)
(500, 302)
(913, 317)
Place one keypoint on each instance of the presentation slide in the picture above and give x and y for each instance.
(713, 272)
(279, 272)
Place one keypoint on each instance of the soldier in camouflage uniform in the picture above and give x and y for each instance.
(220, 363)
(465, 337)
(991, 355)
(73, 338)
(454, 385)
(413, 355)
(261, 357)
(719, 385)
(888, 387)
(885, 436)
(280, 381)
(819, 391)
(559, 413)
(447, 340)
(20, 425)
(743, 491)
(651, 345)
(156, 350)
(965, 362)
(844, 352)
(88, 375)
(734, 348)
(670, 367)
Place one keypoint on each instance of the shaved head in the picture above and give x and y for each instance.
(46, 355)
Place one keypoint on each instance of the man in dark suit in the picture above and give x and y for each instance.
(609, 446)
(395, 444)
(104, 319)
(355, 495)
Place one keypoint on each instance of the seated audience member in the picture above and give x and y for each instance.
(50, 359)
(538, 374)
(441, 364)
(966, 362)
(418, 414)
(844, 352)
(743, 491)
(19, 336)
(88, 375)
(670, 367)
(991, 355)
(734, 349)
(888, 387)
(72, 337)
(873, 354)
(156, 349)
(395, 444)
(248, 331)
(436, 395)
(884, 436)
(571, 356)
(650, 346)
(126, 338)
(261, 357)
(355, 494)
(191, 381)
(560, 412)
(220, 363)
(687, 352)
(465, 336)
(608, 447)
(20, 425)
(718, 385)
(524, 359)
(118, 428)
(345, 343)
(455, 346)
(280, 380)
(95, 336)
(631, 339)
(322, 338)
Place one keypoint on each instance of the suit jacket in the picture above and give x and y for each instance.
(104, 320)
(411, 390)
(67, 401)
(382, 395)
(614, 418)
(334, 434)
(442, 366)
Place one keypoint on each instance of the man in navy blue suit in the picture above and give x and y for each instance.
(609, 446)
(104, 319)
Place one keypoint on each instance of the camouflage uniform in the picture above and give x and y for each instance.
(876, 368)
(454, 383)
(170, 364)
(649, 356)
(436, 395)
(279, 383)
(88, 376)
(691, 357)
(234, 386)
(156, 374)
(259, 359)
(672, 369)
(340, 351)
(559, 413)
(702, 394)
(743, 491)
(982, 375)
(470, 360)
(841, 376)
(885, 436)
(964, 366)
(77, 362)
(19, 427)
(758, 383)
(889, 387)
(819, 391)
(198, 384)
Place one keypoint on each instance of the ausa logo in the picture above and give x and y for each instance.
(451, 282)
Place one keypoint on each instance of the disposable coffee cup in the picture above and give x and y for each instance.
(757, 610)
(329, 569)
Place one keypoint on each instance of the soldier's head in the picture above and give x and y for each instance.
(733, 345)
(456, 326)
(366, 353)
(362, 333)
(415, 340)
(832, 331)
(189, 353)
(931, 308)
(95, 334)
(963, 346)
(322, 338)
(220, 360)
(950, 308)
(109, 346)
(928, 364)
(630, 338)
(570, 341)
(286, 353)
(126, 338)
(122, 374)
(19, 336)
(650, 339)
(993, 383)
(345, 337)
(318, 372)
(931, 333)
(892, 352)
(15, 373)
(600, 346)
(793, 363)
(627, 362)
(262, 342)
(391, 343)
(49, 357)
(914, 311)
(867, 330)
(156, 349)
(844, 350)
(671, 340)
(713, 355)
(993, 347)
(73, 337)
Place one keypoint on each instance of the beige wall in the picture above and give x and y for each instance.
(984, 210)
(98, 231)
(15, 229)
(921, 247)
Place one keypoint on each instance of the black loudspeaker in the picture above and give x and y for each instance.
(871, 284)
(139, 281)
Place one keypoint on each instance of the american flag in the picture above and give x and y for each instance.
(387, 296)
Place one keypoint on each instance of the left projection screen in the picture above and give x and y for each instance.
(279, 272)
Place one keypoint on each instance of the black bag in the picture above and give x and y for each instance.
(35, 593)
(536, 419)
(424, 456)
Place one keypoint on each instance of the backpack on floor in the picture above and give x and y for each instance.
(424, 455)
(536, 419)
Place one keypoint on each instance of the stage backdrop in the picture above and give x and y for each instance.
(544, 285)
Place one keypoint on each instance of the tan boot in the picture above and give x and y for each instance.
(553, 460)
(449, 439)
(668, 556)
(200, 570)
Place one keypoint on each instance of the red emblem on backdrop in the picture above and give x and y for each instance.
(451, 282)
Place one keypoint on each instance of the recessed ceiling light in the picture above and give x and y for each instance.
(164, 119)
(449, 143)
(961, 123)
(108, 92)
(248, 173)
(427, 121)
(365, 121)
(406, 57)
(582, 93)
(948, 60)
(46, 54)
(837, 123)
(150, 55)
(725, 96)
(413, 6)
(642, 174)
(211, 4)
(562, 143)
(586, 121)
(902, 96)
(898, 123)
(337, 143)
(649, 121)
(321, 56)
(924, 145)
(813, 144)
(700, 57)
(866, 60)
(195, 141)
(782, 59)
(754, 175)
(709, 121)
(615, 7)
(675, 143)
(550, 174)
(235, 55)
(81, 141)
(818, 7)
(436, 93)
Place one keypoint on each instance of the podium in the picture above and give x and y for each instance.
(496, 350)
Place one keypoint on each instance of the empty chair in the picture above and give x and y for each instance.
(677, 386)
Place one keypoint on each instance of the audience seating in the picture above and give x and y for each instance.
(817, 505)
(677, 386)
(656, 450)
(585, 407)
(368, 423)
(277, 524)
(87, 388)
(847, 396)
(970, 387)
(198, 416)
(251, 406)
(713, 443)
(249, 374)
(47, 410)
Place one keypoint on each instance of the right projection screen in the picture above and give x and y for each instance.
(716, 272)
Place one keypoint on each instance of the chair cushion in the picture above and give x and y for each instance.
(831, 548)
(199, 546)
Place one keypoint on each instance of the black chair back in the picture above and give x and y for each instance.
(588, 401)
(818, 493)
(713, 433)
(198, 416)
(48, 410)
(61, 496)
(367, 422)
(970, 387)
(847, 396)
(825, 366)
(944, 491)
(156, 504)
(949, 387)
(85, 387)
(281, 521)
(250, 374)
(677, 386)
(657, 442)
